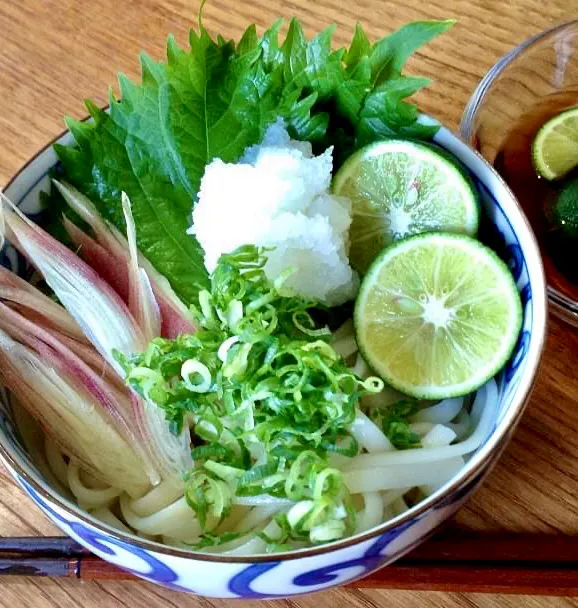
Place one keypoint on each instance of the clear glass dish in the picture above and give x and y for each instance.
(530, 84)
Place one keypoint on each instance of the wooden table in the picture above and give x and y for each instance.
(54, 53)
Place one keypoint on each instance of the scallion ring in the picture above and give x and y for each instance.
(193, 366)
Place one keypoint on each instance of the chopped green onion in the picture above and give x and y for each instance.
(331, 530)
(373, 384)
(238, 364)
(268, 400)
(224, 472)
(310, 330)
(225, 346)
(192, 366)
(327, 482)
(234, 313)
(205, 304)
(296, 515)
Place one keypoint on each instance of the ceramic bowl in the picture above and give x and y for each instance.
(314, 569)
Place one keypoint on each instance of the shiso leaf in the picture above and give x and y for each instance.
(216, 99)
(389, 55)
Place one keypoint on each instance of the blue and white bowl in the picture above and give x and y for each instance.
(307, 570)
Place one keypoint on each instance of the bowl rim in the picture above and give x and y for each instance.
(481, 91)
(493, 446)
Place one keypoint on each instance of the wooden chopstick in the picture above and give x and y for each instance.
(458, 561)
(40, 546)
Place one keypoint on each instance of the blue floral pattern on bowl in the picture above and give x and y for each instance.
(277, 576)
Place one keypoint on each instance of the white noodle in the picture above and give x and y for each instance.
(56, 462)
(373, 479)
(462, 424)
(177, 520)
(261, 500)
(439, 436)
(369, 435)
(379, 479)
(421, 428)
(387, 397)
(174, 542)
(429, 489)
(108, 517)
(345, 347)
(390, 496)
(361, 368)
(255, 544)
(441, 413)
(158, 498)
(338, 461)
(257, 516)
(343, 331)
(89, 497)
(372, 513)
(482, 410)
(383, 477)
(90, 481)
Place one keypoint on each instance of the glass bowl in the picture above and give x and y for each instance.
(525, 88)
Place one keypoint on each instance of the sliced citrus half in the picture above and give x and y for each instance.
(399, 188)
(437, 315)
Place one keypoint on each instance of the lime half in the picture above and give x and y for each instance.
(400, 188)
(555, 147)
(437, 315)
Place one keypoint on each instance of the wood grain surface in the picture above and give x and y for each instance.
(54, 53)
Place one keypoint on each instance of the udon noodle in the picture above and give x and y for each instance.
(383, 481)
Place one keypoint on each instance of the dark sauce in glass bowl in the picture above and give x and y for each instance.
(537, 195)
